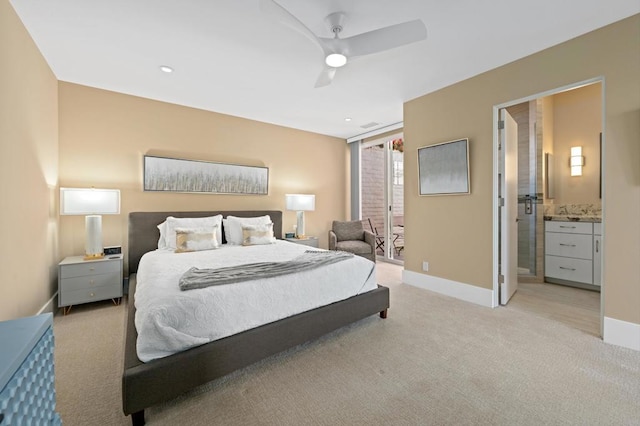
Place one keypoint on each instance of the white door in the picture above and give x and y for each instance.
(509, 209)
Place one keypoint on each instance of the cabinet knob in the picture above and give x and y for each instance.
(92, 269)
(92, 294)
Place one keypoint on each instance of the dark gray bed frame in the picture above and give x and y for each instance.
(148, 384)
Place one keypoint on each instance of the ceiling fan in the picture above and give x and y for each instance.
(337, 51)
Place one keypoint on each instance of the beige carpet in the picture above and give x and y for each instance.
(434, 361)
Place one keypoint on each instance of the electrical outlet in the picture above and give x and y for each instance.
(425, 266)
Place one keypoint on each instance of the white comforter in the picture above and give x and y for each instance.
(169, 320)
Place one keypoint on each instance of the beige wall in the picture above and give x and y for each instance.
(104, 135)
(28, 171)
(455, 233)
(578, 122)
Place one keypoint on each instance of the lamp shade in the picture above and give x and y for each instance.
(86, 201)
(300, 202)
(91, 203)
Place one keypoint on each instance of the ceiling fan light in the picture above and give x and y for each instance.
(336, 60)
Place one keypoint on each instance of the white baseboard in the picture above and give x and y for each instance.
(50, 306)
(466, 292)
(621, 333)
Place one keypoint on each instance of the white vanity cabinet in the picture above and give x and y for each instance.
(597, 254)
(569, 253)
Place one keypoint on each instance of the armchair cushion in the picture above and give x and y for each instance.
(346, 231)
(354, 246)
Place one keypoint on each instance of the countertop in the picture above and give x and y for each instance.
(573, 218)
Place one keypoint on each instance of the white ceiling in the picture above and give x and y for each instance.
(230, 58)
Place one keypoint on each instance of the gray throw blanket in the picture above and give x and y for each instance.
(201, 278)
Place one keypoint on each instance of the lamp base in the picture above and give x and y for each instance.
(96, 256)
(93, 249)
(300, 224)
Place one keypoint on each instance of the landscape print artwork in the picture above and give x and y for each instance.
(444, 168)
(176, 175)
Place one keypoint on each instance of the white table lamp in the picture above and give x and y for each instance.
(91, 203)
(300, 203)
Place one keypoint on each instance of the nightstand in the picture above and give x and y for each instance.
(307, 241)
(83, 281)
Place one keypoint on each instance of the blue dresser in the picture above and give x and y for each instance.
(27, 392)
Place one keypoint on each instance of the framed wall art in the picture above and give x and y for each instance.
(176, 175)
(443, 168)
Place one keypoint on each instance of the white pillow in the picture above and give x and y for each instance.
(189, 222)
(162, 244)
(196, 239)
(253, 235)
(233, 227)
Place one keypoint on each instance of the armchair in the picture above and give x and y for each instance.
(352, 237)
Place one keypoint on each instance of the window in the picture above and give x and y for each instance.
(398, 172)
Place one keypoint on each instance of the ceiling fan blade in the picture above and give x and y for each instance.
(384, 38)
(282, 15)
(326, 77)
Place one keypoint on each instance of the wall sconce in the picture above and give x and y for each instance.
(300, 203)
(576, 161)
(91, 203)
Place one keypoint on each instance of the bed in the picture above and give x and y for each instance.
(159, 380)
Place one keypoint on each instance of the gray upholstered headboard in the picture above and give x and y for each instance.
(144, 233)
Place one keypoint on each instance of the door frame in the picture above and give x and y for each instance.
(496, 158)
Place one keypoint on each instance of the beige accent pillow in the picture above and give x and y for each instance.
(257, 234)
(200, 223)
(188, 239)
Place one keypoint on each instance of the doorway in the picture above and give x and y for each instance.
(382, 194)
(530, 195)
(546, 191)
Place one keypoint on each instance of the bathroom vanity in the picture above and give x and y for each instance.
(572, 249)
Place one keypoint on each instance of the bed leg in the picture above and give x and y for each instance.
(137, 418)
(383, 314)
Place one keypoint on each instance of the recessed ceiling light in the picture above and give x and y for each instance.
(165, 68)
(347, 119)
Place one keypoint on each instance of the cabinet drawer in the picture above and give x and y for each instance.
(568, 245)
(89, 268)
(569, 227)
(75, 297)
(90, 281)
(578, 270)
